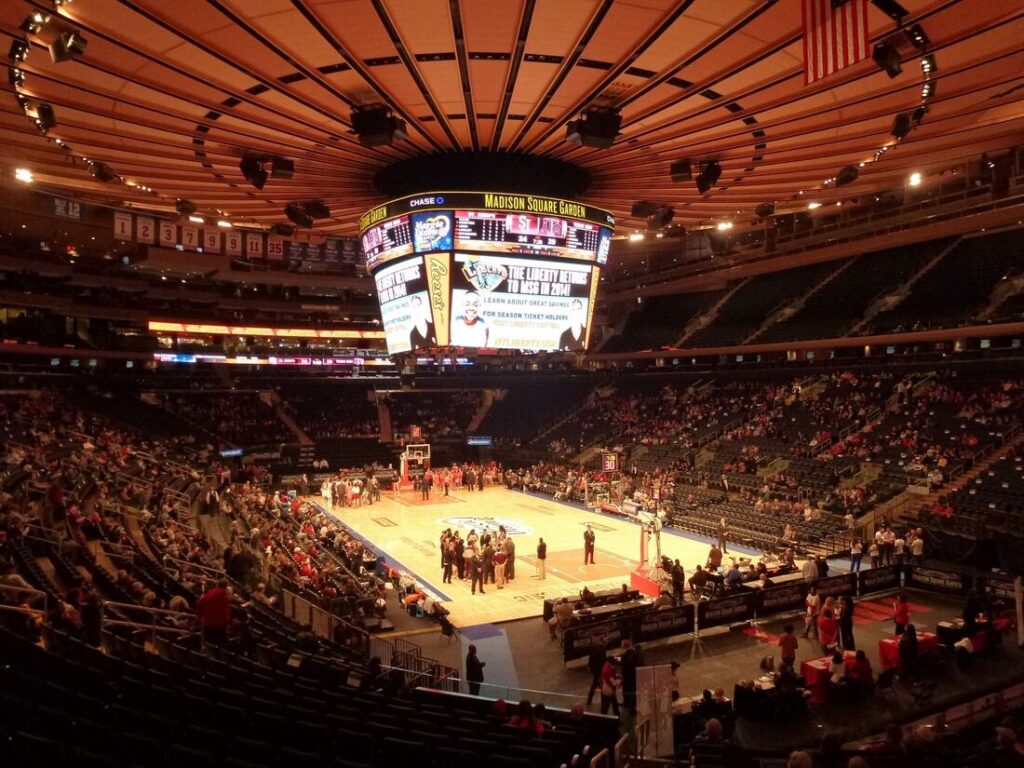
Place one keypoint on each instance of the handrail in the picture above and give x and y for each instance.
(190, 564)
(149, 627)
(147, 609)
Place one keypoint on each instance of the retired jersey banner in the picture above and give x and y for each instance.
(145, 230)
(254, 245)
(168, 234)
(189, 237)
(233, 243)
(211, 241)
(275, 248)
(123, 226)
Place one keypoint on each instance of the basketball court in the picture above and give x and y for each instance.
(407, 530)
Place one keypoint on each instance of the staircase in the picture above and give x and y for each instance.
(603, 392)
(289, 422)
(890, 300)
(705, 319)
(387, 434)
(793, 307)
(491, 396)
(1004, 290)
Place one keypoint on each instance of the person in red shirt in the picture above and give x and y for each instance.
(214, 612)
(788, 643)
(900, 613)
(828, 630)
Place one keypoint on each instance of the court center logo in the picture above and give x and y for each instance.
(481, 524)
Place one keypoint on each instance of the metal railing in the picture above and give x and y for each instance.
(36, 594)
(152, 626)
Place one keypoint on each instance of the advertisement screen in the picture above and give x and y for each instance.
(526, 233)
(510, 302)
(432, 231)
(405, 305)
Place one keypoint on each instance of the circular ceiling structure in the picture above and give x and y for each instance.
(142, 102)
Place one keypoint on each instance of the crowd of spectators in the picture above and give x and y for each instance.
(236, 418)
(437, 414)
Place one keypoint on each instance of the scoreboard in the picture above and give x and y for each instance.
(486, 270)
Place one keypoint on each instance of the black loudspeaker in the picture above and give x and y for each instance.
(282, 168)
(708, 177)
(286, 230)
(901, 125)
(681, 170)
(68, 45)
(185, 207)
(888, 59)
(45, 116)
(317, 209)
(661, 218)
(848, 175)
(102, 172)
(764, 210)
(644, 208)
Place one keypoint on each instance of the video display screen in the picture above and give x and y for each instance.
(509, 302)
(527, 233)
(405, 307)
(388, 240)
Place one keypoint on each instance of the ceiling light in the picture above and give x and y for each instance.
(928, 90)
(224, 223)
(917, 36)
(102, 171)
(24, 174)
(915, 179)
(197, 219)
(724, 226)
(888, 59)
(634, 236)
(928, 65)
(18, 51)
(67, 46)
(33, 23)
(813, 206)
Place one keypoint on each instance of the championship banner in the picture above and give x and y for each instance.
(785, 597)
(879, 579)
(275, 248)
(726, 610)
(233, 243)
(438, 287)
(145, 230)
(189, 237)
(168, 234)
(837, 586)
(254, 245)
(211, 241)
(123, 226)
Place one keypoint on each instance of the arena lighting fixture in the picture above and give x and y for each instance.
(724, 226)
(376, 126)
(920, 113)
(18, 51)
(915, 179)
(67, 46)
(928, 90)
(917, 37)
(888, 59)
(634, 236)
(598, 128)
(928, 65)
(297, 215)
(813, 206)
(24, 175)
(197, 219)
(224, 224)
(34, 23)
(643, 208)
(764, 210)
(661, 218)
(708, 177)
(901, 126)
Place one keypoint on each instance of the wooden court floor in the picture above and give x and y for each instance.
(407, 531)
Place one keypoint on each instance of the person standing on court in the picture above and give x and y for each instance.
(678, 582)
(723, 535)
(476, 565)
(542, 556)
(588, 545)
(510, 563)
(474, 671)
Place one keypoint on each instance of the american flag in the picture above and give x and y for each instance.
(835, 36)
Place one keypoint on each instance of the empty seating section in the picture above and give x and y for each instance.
(661, 320)
(745, 311)
(438, 414)
(1011, 310)
(239, 418)
(528, 407)
(839, 305)
(954, 290)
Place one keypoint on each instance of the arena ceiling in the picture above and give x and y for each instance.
(171, 95)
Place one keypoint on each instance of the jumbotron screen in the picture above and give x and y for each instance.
(486, 270)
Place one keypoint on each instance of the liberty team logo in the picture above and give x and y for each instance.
(481, 524)
(484, 276)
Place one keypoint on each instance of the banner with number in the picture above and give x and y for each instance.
(168, 234)
(254, 245)
(123, 226)
(275, 248)
(233, 243)
(211, 241)
(145, 230)
(189, 237)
